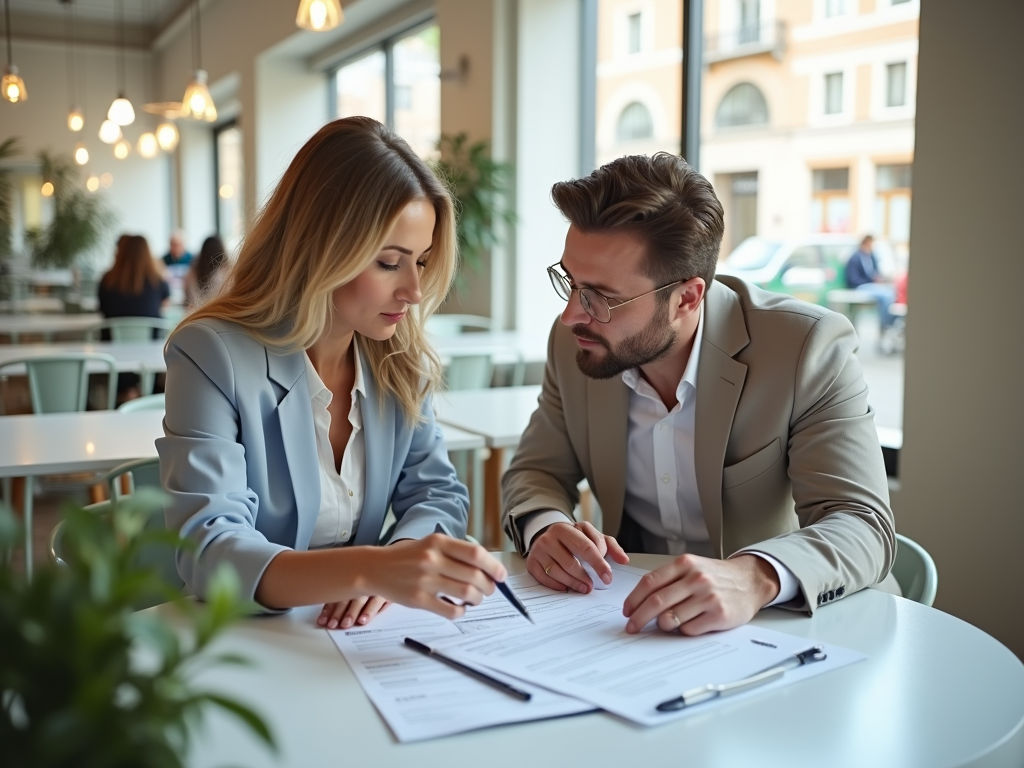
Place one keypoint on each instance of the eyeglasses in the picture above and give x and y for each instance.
(594, 304)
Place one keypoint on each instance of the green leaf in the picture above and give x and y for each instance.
(246, 715)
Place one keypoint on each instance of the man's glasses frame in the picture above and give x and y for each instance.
(594, 303)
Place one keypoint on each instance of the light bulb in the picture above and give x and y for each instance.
(47, 189)
(147, 145)
(167, 136)
(92, 183)
(319, 15)
(106, 180)
(75, 119)
(226, 191)
(12, 86)
(81, 154)
(121, 111)
(121, 149)
(197, 103)
(110, 132)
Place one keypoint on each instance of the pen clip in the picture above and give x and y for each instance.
(817, 653)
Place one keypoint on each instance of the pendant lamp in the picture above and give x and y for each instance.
(167, 136)
(121, 111)
(110, 132)
(319, 15)
(12, 87)
(76, 120)
(197, 104)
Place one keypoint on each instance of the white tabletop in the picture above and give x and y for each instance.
(504, 346)
(933, 692)
(44, 324)
(499, 414)
(130, 356)
(100, 440)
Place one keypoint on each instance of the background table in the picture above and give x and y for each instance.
(934, 692)
(130, 355)
(15, 326)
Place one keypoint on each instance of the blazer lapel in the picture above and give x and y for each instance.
(608, 417)
(720, 381)
(295, 415)
(379, 437)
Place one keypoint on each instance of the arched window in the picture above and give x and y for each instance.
(634, 123)
(744, 104)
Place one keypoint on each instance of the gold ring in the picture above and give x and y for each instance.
(550, 566)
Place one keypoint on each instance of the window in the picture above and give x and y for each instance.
(743, 104)
(830, 203)
(750, 21)
(834, 93)
(229, 179)
(634, 123)
(835, 8)
(633, 29)
(399, 84)
(892, 206)
(896, 84)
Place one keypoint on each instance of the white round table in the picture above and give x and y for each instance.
(934, 691)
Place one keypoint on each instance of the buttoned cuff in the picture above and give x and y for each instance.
(535, 522)
(789, 587)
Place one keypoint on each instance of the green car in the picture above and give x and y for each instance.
(806, 267)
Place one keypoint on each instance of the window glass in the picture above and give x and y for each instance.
(417, 90)
(633, 24)
(634, 123)
(230, 211)
(361, 87)
(744, 104)
(896, 84)
(834, 93)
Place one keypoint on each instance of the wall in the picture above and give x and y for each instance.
(964, 414)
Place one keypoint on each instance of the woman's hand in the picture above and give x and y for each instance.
(418, 572)
(347, 613)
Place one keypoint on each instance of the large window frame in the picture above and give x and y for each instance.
(218, 181)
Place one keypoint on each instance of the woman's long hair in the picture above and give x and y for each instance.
(323, 225)
(133, 267)
(212, 257)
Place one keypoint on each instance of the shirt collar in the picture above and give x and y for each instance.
(319, 391)
(633, 379)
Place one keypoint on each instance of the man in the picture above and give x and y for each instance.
(176, 253)
(862, 274)
(712, 419)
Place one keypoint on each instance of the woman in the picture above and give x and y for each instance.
(133, 287)
(206, 274)
(297, 400)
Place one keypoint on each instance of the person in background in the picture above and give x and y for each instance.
(862, 274)
(298, 399)
(207, 273)
(176, 254)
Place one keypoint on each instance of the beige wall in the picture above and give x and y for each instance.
(964, 414)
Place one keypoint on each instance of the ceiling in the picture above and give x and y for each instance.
(136, 12)
(95, 20)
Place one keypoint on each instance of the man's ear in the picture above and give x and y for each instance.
(686, 297)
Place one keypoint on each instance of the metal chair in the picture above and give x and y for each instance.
(470, 371)
(57, 383)
(915, 571)
(127, 329)
(144, 403)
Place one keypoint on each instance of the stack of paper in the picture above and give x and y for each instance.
(576, 658)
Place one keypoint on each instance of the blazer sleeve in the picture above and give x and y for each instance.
(847, 535)
(202, 465)
(428, 491)
(545, 470)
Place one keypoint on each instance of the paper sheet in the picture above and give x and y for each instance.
(580, 648)
(421, 698)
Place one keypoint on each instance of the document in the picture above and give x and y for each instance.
(421, 698)
(580, 648)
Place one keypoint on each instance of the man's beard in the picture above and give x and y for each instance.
(647, 345)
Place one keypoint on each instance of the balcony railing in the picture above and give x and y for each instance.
(746, 40)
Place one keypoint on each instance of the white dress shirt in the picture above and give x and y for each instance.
(341, 492)
(661, 479)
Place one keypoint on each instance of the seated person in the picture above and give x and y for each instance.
(714, 421)
(206, 275)
(298, 400)
(177, 254)
(862, 274)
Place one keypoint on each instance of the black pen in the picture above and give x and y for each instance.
(504, 588)
(707, 692)
(483, 677)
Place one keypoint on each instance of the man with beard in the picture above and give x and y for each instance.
(714, 421)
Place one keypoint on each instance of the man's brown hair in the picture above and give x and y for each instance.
(660, 199)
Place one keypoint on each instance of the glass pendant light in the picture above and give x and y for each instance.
(167, 136)
(76, 120)
(92, 183)
(121, 110)
(122, 149)
(81, 154)
(147, 145)
(319, 15)
(197, 103)
(12, 87)
(110, 132)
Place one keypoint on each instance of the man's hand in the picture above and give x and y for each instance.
(553, 556)
(697, 594)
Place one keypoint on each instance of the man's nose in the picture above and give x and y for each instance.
(574, 314)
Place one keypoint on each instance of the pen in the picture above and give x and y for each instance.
(426, 650)
(708, 692)
(504, 588)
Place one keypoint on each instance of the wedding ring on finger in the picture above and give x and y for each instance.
(547, 571)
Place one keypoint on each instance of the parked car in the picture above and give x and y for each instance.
(807, 267)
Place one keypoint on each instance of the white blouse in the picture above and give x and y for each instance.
(341, 493)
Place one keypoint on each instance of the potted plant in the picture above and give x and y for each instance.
(8, 149)
(84, 680)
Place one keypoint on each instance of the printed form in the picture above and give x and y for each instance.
(581, 649)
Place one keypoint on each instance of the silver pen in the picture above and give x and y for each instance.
(708, 692)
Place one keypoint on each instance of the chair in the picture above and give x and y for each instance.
(144, 403)
(140, 473)
(470, 371)
(127, 329)
(915, 571)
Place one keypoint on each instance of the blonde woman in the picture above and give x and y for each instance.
(298, 408)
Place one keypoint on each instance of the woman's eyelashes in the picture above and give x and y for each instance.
(422, 263)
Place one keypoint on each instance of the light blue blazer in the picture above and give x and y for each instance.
(239, 460)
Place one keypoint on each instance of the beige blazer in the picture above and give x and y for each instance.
(788, 462)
